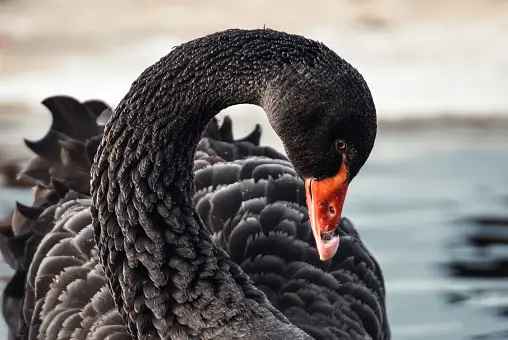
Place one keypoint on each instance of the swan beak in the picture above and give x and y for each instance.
(325, 199)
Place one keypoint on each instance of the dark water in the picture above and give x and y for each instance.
(414, 204)
(420, 203)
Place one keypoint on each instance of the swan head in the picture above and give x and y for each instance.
(326, 119)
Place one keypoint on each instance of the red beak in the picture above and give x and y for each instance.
(325, 199)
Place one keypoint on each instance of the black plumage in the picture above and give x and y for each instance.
(136, 260)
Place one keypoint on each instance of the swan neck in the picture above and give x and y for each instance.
(157, 255)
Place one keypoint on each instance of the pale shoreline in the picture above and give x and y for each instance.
(419, 58)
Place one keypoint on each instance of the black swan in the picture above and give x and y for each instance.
(190, 234)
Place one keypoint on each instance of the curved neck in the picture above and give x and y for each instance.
(166, 276)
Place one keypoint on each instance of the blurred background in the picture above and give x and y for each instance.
(431, 203)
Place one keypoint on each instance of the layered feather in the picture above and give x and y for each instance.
(249, 196)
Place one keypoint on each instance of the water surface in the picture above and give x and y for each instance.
(414, 204)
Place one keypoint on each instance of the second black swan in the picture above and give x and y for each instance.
(192, 236)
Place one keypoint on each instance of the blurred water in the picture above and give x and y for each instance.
(411, 204)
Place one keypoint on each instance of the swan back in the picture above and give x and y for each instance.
(249, 197)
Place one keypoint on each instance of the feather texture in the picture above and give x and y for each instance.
(250, 199)
(255, 208)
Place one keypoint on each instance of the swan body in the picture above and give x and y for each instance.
(185, 235)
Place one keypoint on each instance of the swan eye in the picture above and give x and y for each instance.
(340, 145)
